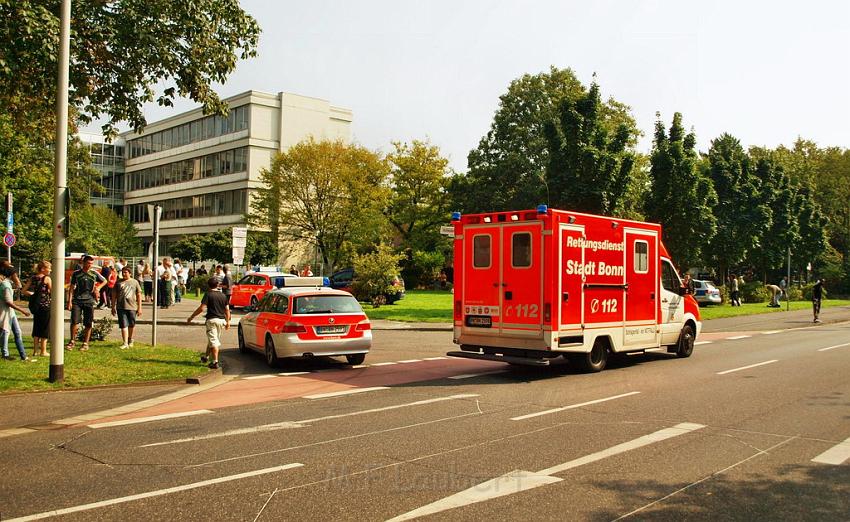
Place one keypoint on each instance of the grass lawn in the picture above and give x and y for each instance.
(418, 306)
(724, 310)
(435, 306)
(103, 364)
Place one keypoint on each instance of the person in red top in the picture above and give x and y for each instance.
(306, 272)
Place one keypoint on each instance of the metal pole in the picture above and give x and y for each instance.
(57, 292)
(788, 283)
(9, 221)
(156, 212)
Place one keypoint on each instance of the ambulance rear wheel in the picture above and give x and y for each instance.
(597, 358)
(686, 342)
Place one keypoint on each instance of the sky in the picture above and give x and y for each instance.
(766, 72)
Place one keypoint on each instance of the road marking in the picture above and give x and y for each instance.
(656, 350)
(157, 493)
(747, 367)
(835, 455)
(771, 332)
(255, 377)
(518, 480)
(303, 423)
(828, 348)
(408, 361)
(384, 363)
(359, 366)
(573, 406)
(290, 374)
(345, 392)
(471, 375)
(735, 338)
(699, 343)
(140, 420)
(435, 358)
(14, 431)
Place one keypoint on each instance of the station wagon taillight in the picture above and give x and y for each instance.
(362, 327)
(294, 328)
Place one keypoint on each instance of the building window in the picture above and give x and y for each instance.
(211, 165)
(206, 205)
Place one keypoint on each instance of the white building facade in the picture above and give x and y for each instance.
(203, 169)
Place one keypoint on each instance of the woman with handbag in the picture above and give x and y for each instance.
(38, 289)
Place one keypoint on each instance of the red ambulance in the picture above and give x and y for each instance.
(533, 285)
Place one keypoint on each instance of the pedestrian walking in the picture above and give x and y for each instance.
(127, 305)
(140, 268)
(108, 273)
(86, 283)
(8, 319)
(227, 283)
(147, 282)
(38, 289)
(217, 317)
(179, 280)
(817, 297)
(166, 284)
(733, 290)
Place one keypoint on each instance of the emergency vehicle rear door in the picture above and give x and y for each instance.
(571, 280)
(481, 277)
(641, 259)
(522, 279)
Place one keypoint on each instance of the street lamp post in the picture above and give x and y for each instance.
(60, 225)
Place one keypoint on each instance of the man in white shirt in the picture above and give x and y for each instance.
(180, 280)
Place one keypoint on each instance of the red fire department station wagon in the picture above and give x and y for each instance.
(534, 285)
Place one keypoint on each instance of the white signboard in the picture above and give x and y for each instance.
(240, 242)
(447, 230)
(240, 232)
(238, 255)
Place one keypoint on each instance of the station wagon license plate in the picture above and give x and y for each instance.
(480, 321)
(326, 330)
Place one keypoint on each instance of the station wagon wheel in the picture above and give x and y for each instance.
(355, 358)
(686, 342)
(241, 338)
(597, 358)
(271, 355)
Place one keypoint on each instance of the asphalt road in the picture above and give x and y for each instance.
(753, 426)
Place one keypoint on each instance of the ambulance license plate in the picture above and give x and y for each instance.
(330, 329)
(480, 321)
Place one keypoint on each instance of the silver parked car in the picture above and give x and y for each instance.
(705, 292)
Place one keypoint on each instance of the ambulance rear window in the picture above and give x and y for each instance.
(521, 250)
(481, 251)
(641, 257)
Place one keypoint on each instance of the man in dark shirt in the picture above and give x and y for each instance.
(218, 319)
(84, 287)
(817, 297)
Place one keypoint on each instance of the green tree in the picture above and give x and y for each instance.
(780, 195)
(418, 204)
(681, 197)
(331, 194)
(742, 216)
(121, 53)
(376, 271)
(261, 249)
(508, 168)
(99, 230)
(590, 166)
(188, 248)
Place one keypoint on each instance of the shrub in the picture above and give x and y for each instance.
(795, 293)
(99, 331)
(200, 282)
(423, 269)
(754, 292)
(375, 274)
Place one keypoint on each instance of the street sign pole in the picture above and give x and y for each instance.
(10, 225)
(57, 291)
(154, 213)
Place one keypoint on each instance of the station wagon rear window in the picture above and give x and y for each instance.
(481, 251)
(326, 304)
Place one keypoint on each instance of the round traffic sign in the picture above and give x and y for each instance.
(9, 240)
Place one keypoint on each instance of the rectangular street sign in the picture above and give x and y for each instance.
(240, 242)
(240, 232)
(447, 230)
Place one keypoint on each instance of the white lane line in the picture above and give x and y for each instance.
(573, 406)
(14, 431)
(828, 348)
(656, 349)
(434, 358)
(157, 493)
(748, 367)
(408, 361)
(359, 366)
(518, 480)
(771, 332)
(290, 374)
(304, 423)
(345, 392)
(735, 338)
(140, 420)
(835, 455)
(384, 364)
(255, 377)
(700, 343)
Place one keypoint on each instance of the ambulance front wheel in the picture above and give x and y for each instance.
(597, 358)
(686, 342)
